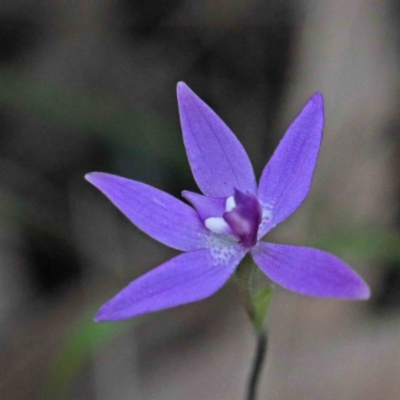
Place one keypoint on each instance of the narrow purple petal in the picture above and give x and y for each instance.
(286, 179)
(219, 162)
(161, 216)
(245, 218)
(186, 278)
(309, 271)
(206, 206)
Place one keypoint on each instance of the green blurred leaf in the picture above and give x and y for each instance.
(364, 244)
(103, 114)
(84, 339)
(261, 301)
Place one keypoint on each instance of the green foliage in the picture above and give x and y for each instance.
(84, 339)
(365, 244)
(111, 118)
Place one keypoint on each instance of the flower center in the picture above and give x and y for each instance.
(241, 218)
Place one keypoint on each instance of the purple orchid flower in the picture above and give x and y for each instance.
(230, 219)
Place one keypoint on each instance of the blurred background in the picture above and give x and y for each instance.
(89, 85)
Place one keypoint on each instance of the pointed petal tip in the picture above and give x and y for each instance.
(185, 194)
(108, 313)
(100, 317)
(91, 177)
(359, 290)
(190, 196)
(181, 87)
(318, 95)
(356, 291)
(318, 99)
(365, 291)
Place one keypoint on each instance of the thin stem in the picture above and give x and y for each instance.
(259, 358)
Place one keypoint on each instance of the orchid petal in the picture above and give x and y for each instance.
(206, 207)
(286, 179)
(218, 160)
(186, 278)
(309, 271)
(160, 215)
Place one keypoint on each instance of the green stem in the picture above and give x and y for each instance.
(243, 275)
(256, 305)
(259, 359)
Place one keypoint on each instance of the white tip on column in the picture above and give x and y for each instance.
(230, 204)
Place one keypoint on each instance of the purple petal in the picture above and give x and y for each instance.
(219, 162)
(206, 206)
(286, 179)
(186, 278)
(161, 216)
(309, 271)
(245, 218)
